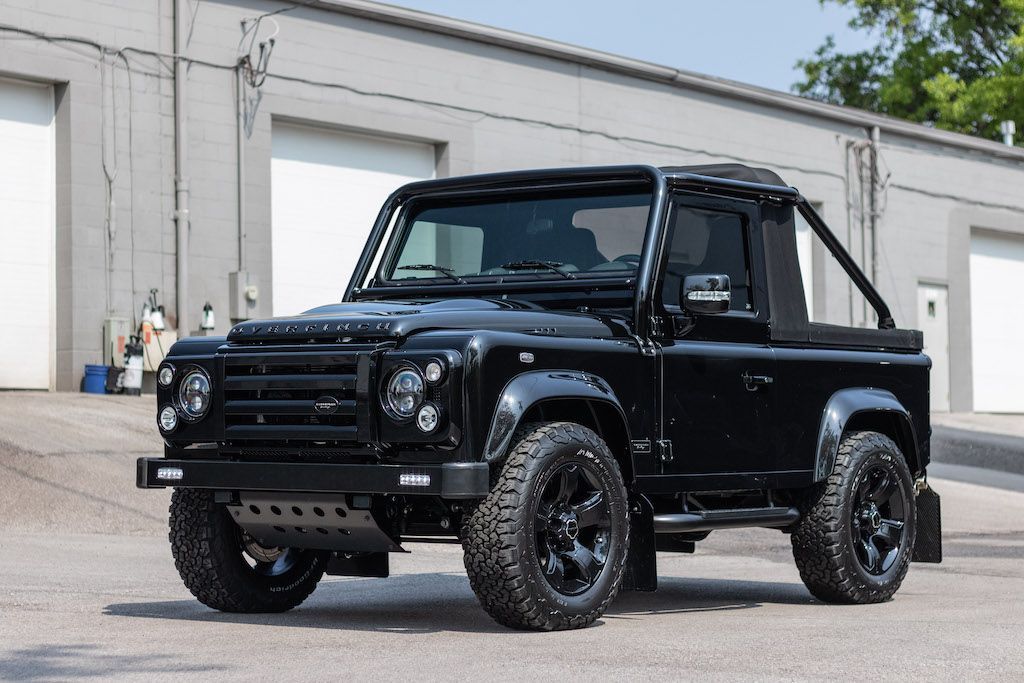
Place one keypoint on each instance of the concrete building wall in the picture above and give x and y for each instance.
(485, 106)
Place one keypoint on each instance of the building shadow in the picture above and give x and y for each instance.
(58, 661)
(433, 603)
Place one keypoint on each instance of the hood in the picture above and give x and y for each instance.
(382, 320)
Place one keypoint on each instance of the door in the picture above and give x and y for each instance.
(326, 189)
(933, 321)
(716, 402)
(997, 326)
(27, 215)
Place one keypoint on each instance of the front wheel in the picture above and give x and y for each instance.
(855, 537)
(546, 550)
(227, 569)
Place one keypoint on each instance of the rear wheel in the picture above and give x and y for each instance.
(546, 549)
(856, 535)
(227, 569)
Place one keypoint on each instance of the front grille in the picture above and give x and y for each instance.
(271, 395)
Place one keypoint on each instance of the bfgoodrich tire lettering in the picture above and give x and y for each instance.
(208, 553)
(503, 539)
(829, 541)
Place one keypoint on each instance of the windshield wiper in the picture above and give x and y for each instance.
(553, 266)
(444, 270)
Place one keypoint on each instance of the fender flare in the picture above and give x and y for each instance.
(526, 390)
(844, 405)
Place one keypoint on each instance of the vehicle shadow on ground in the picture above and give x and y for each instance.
(431, 603)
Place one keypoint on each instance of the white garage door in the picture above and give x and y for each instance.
(326, 190)
(27, 180)
(997, 328)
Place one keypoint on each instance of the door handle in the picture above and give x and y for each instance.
(755, 381)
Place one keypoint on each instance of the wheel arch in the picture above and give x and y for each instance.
(864, 408)
(560, 395)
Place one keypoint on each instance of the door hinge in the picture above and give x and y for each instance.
(657, 326)
(665, 450)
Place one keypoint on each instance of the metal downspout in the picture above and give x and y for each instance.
(875, 213)
(181, 189)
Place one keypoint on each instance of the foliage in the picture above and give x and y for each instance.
(954, 64)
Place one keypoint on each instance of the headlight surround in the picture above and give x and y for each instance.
(195, 394)
(403, 393)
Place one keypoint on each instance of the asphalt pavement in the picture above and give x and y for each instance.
(89, 590)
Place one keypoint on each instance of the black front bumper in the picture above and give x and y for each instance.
(448, 480)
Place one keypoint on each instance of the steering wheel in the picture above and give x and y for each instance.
(627, 258)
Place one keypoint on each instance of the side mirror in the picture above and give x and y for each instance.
(705, 294)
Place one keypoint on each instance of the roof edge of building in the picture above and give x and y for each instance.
(655, 72)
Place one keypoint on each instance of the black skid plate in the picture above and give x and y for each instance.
(326, 522)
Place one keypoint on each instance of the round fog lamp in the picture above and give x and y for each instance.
(426, 419)
(194, 394)
(166, 376)
(433, 371)
(405, 393)
(168, 419)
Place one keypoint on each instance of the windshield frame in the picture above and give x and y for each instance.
(399, 234)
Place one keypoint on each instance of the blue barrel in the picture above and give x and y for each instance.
(95, 379)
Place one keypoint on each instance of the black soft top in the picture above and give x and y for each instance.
(731, 172)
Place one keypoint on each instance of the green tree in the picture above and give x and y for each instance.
(954, 64)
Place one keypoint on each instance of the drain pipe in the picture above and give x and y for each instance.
(875, 209)
(181, 212)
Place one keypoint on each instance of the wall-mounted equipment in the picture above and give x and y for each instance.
(115, 337)
(208, 321)
(243, 296)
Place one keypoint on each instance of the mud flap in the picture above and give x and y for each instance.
(928, 546)
(642, 563)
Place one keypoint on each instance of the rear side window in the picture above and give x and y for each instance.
(707, 242)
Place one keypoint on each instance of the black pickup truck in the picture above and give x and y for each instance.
(566, 371)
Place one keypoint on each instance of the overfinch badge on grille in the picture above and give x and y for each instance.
(325, 405)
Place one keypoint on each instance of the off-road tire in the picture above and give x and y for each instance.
(823, 539)
(499, 536)
(207, 552)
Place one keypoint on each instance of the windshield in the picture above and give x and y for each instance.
(568, 235)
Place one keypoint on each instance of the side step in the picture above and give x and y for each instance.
(674, 523)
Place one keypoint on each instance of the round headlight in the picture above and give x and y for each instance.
(404, 393)
(194, 394)
(433, 372)
(426, 418)
(165, 376)
(168, 419)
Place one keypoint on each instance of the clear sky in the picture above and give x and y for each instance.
(753, 41)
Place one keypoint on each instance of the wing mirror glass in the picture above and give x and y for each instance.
(705, 294)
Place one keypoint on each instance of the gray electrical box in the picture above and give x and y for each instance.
(243, 296)
(116, 332)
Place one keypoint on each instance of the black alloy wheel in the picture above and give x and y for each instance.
(546, 549)
(572, 527)
(855, 537)
(229, 570)
(878, 519)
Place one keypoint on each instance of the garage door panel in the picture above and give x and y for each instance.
(326, 189)
(27, 181)
(997, 270)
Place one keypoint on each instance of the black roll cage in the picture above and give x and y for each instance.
(660, 182)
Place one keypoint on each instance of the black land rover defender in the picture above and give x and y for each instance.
(566, 371)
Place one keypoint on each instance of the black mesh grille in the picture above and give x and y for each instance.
(291, 395)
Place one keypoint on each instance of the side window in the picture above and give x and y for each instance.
(706, 241)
